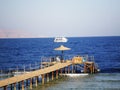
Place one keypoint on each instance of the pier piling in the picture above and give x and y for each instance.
(23, 85)
(19, 85)
(52, 75)
(11, 86)
(89, 67)
(5, 87)
(47, 77)
(43, 79)
(56, 74)
(27, 82)
(30, 83)
(65, 70)
(61, 71)
(36, 81)
(14, 86)
(72, 68)
(68, 69)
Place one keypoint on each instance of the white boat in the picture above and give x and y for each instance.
(60, 39)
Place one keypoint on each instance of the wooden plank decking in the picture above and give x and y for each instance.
(32, 74)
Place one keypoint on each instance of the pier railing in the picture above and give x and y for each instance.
(38, 65)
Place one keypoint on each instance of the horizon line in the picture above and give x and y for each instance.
(56, 36)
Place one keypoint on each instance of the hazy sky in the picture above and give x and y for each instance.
(50, 18)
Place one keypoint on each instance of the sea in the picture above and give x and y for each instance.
(19, 53)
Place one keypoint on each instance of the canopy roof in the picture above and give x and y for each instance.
(62, 48)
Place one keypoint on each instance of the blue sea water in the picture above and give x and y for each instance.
(106, 51)
(18, 52)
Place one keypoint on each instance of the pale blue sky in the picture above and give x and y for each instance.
(51, 18)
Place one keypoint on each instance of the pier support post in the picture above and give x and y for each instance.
(65, 70)
(11, 86)
(72, 68)
(14, 86)
(47, 77)
(27, 82)
(23, 85)
(36, 81)
(93, 68)
(18, 85)
(85, 67)
(56, 74)
(52, 75)
(68, 69)
(5, 88)
(61, 71)
(76, 69)
(30, 83)
(43, 80)
(32, 80)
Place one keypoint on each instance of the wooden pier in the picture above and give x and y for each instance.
(55, 69)
(34, 74)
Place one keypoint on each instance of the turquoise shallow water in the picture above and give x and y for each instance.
(101, 81)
